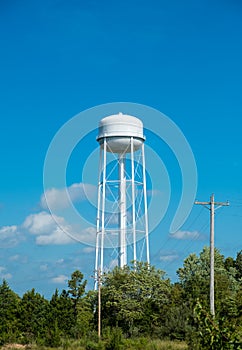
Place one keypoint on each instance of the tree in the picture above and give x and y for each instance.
(34, 310)
(238, 265)
(179, 312)
(135, 298)
(9, 312)
(84, 320)
(214, 334)
(194, 278)
(81, 306)
(61, 312)
(76, 288)
(76, 285)
(229, 263)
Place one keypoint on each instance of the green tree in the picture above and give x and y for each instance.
(194, 279)
(76, 288)
(84, 322)
(229, 263)
(215, 334)
(238, 265)
(176, 321)
(34, 310)
(9, 312)
(82, 307)
(135, 298)
(76, 285)
(61, 312)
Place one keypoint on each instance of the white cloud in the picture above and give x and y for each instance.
(4, 274)
(60, 261)
(53, 230)
(8, 230)
(57, 236)
(14, 257)
(87, 235)
(193, 235)
(88, 250)
(62, 198)
(42, 223)
(66, 235)
(49, 229)
(19, 258)
(61, 279)
(10, 236)
(169, 257)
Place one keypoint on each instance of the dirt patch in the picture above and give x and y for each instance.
(14, 346)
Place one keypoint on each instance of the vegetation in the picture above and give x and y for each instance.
(141, 309)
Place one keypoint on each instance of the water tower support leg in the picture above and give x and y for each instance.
(133, 201)
(122, 212)
(98, 220)
(145, 208)
(103, 202)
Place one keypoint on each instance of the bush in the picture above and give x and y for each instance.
(114, 341)
(91, 345)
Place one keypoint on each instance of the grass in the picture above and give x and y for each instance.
(155, 344)
(127, 344)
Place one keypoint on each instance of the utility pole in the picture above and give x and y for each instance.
(211, 206)
(99, 303)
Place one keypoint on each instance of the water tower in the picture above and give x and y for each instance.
(122, 220)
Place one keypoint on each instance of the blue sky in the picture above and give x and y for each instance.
(60, 58)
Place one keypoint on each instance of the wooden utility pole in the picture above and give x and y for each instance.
(211, 206)
(99, 302)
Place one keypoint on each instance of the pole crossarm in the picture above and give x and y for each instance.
(202, 203)
(219, 204)
(212, 206)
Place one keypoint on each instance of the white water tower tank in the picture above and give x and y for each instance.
(118, 129)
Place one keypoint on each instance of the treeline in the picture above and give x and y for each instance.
(136, 301)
